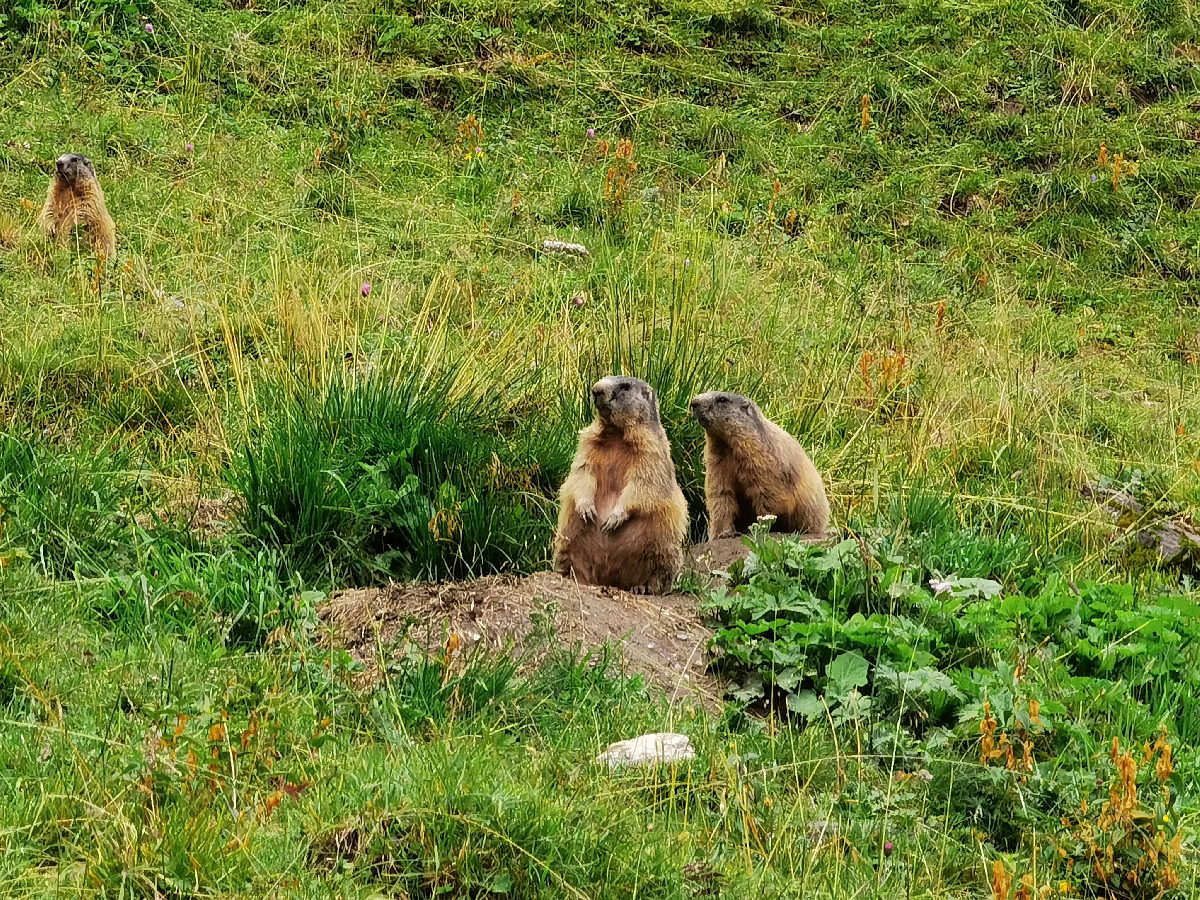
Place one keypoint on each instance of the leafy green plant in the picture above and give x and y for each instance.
(805, 616)
(76, 17)
(830, 628)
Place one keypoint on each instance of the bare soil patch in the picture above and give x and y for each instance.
(661, 637)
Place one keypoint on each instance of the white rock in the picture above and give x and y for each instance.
(564, 247)
(662, 747)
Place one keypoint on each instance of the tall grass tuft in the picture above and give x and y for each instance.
(396, 473)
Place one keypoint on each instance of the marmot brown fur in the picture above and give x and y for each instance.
(74, 199)
(622, 519)
(753, 468)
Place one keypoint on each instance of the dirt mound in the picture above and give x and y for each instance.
(715, 555)
(662, 637)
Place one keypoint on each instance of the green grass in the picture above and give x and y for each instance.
(474, 780)
(954, 308)
(391, 473)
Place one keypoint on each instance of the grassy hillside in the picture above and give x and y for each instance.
(953, 246)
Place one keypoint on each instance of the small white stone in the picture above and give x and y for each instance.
(661, 747)
(549, 246)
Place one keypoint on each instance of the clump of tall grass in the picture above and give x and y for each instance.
(399, 472)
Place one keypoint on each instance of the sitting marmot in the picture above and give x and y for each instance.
(74, 199)
(623, 517)
(754, 468)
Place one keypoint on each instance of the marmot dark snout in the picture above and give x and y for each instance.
(75, 199)
(74, 167)
(625, 403)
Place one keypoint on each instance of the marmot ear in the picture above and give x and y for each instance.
(745, 406)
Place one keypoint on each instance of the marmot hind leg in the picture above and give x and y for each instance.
(650, 563)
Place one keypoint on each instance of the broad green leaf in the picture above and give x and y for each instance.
(805, 703)
(789, 679)
(847, 672)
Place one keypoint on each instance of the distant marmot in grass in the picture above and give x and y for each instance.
(623, 519)
(753, 468)
(75, 198)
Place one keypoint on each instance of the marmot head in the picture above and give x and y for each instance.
(623, 402)
(727, 415)
(74, 168)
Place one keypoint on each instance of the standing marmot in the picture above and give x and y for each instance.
(753, 468)
(623, 517)
(74, 199)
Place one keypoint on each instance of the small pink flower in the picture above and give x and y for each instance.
(591, 132)
(188, 147)
(365, 290)
(149, 27)
(888, 848)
